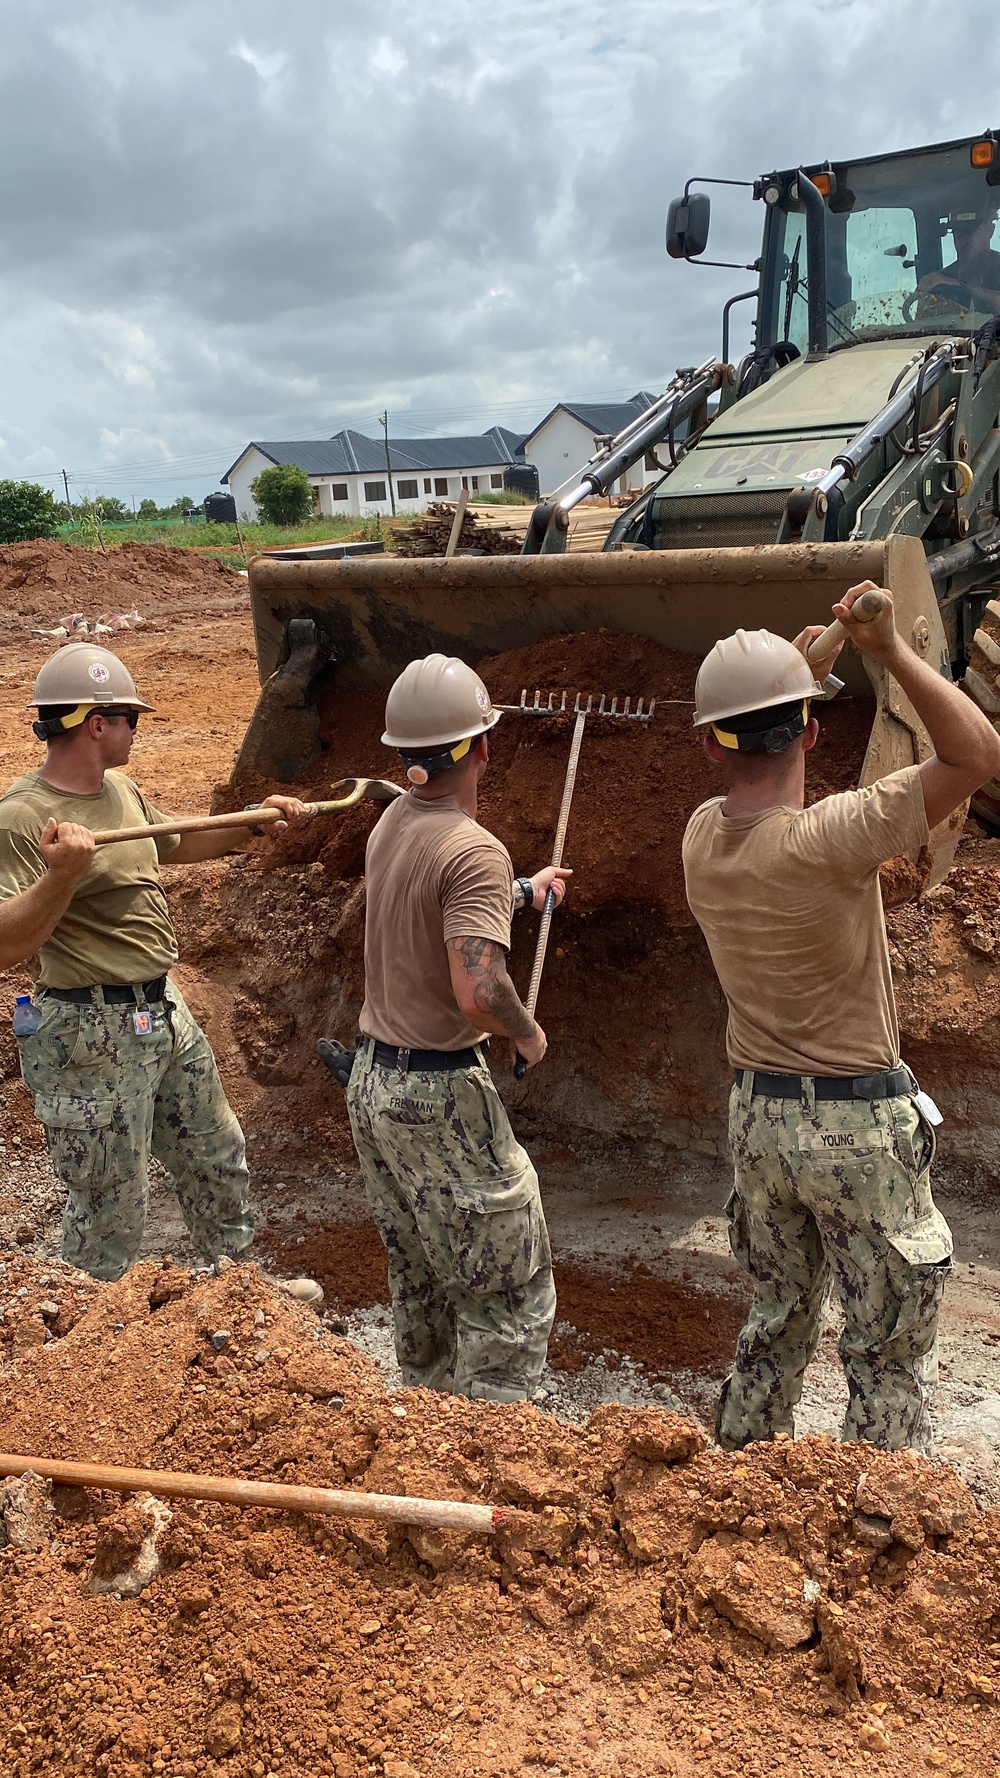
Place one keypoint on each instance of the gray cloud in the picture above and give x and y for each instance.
(242, 219)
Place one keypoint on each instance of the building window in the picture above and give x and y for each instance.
(465, 483)
(440, 484)
(496, 481)
(374, 490)
(338, 491)
(427, 484)
(406, 490)
(475, 483)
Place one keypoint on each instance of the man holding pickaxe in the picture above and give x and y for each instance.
(119, 1068)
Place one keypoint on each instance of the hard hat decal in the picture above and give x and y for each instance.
(99, 673)
(482, 700)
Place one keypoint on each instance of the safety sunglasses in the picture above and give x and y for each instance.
(129, 716)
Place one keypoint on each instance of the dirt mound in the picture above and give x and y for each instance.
(636, 786)
(41, 582)
(651, 1606)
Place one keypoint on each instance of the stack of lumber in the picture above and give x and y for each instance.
(495, 530)
(428, 535)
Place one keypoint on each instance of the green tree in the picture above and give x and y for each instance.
(113, 510)
(283, 495)
(148, 509)
(26, 511)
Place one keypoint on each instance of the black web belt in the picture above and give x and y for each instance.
(115, 993)
(892, 1084)
(388, 1056)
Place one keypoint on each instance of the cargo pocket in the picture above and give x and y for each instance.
(923, 1238)
(79, 1137)
(500, 1240)
(493, 1148)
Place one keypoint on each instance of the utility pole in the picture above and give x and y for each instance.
(384, 423)
(69, 508)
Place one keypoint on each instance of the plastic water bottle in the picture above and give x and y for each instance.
(27, 1016)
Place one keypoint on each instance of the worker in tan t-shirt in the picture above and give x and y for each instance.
(453, 1193)
(832, 1141)
(119, 1069)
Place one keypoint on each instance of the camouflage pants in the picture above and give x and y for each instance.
(835, 1191)
(456, 1202)
(110, 1099)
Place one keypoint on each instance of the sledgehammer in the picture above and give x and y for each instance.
(864, 609)
(356, 790)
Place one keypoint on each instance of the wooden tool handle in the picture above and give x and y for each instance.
(458, 1515)
(377, 790)
(548, 909)
(864, 609)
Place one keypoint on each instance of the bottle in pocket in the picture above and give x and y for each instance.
(27, 1016)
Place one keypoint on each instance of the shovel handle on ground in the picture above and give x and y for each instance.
(864, 609)
(356, 790)
(443, 1515)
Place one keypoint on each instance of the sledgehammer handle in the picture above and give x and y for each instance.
(864, 609)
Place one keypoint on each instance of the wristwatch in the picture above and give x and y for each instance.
(527, 891)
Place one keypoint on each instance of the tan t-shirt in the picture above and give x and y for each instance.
(117, 927)
(432, 874)
(790, 905)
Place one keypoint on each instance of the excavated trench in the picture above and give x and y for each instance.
(796, 1607)
(629, 999)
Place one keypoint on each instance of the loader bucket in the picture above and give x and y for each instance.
(362, 620)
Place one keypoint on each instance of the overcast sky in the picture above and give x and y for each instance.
(243, 219)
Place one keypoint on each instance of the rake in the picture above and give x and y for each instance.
(556, 704)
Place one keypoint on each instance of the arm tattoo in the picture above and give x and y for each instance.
(494, 994)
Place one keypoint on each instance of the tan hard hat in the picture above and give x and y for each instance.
(434, 702)
(749, 671)
(81, 673)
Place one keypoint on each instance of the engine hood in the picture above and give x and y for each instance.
(788, 432)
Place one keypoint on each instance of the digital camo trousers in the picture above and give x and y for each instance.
(110, 1099)
(835, 1191)
(456, 1202)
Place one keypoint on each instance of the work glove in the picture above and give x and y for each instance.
(337, 1058)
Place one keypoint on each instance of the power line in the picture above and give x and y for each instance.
(407, 423)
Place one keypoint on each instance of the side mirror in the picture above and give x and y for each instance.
(687, 225)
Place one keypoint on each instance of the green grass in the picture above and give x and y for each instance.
(176, 534)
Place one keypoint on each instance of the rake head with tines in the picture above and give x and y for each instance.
(555, 703)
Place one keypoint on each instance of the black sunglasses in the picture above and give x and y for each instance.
(129, 716)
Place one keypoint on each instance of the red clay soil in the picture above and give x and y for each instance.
(662, 1324)
(636, 786)
(42, 582)
(646, 1607)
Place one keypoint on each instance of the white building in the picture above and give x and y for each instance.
(350, 476)
(561, 444)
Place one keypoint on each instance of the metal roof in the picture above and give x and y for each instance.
(353, 453)
(602, 418)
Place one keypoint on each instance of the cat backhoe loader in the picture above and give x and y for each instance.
(859, 438)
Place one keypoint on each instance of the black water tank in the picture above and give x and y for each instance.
(220, 509)
(521, 478)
